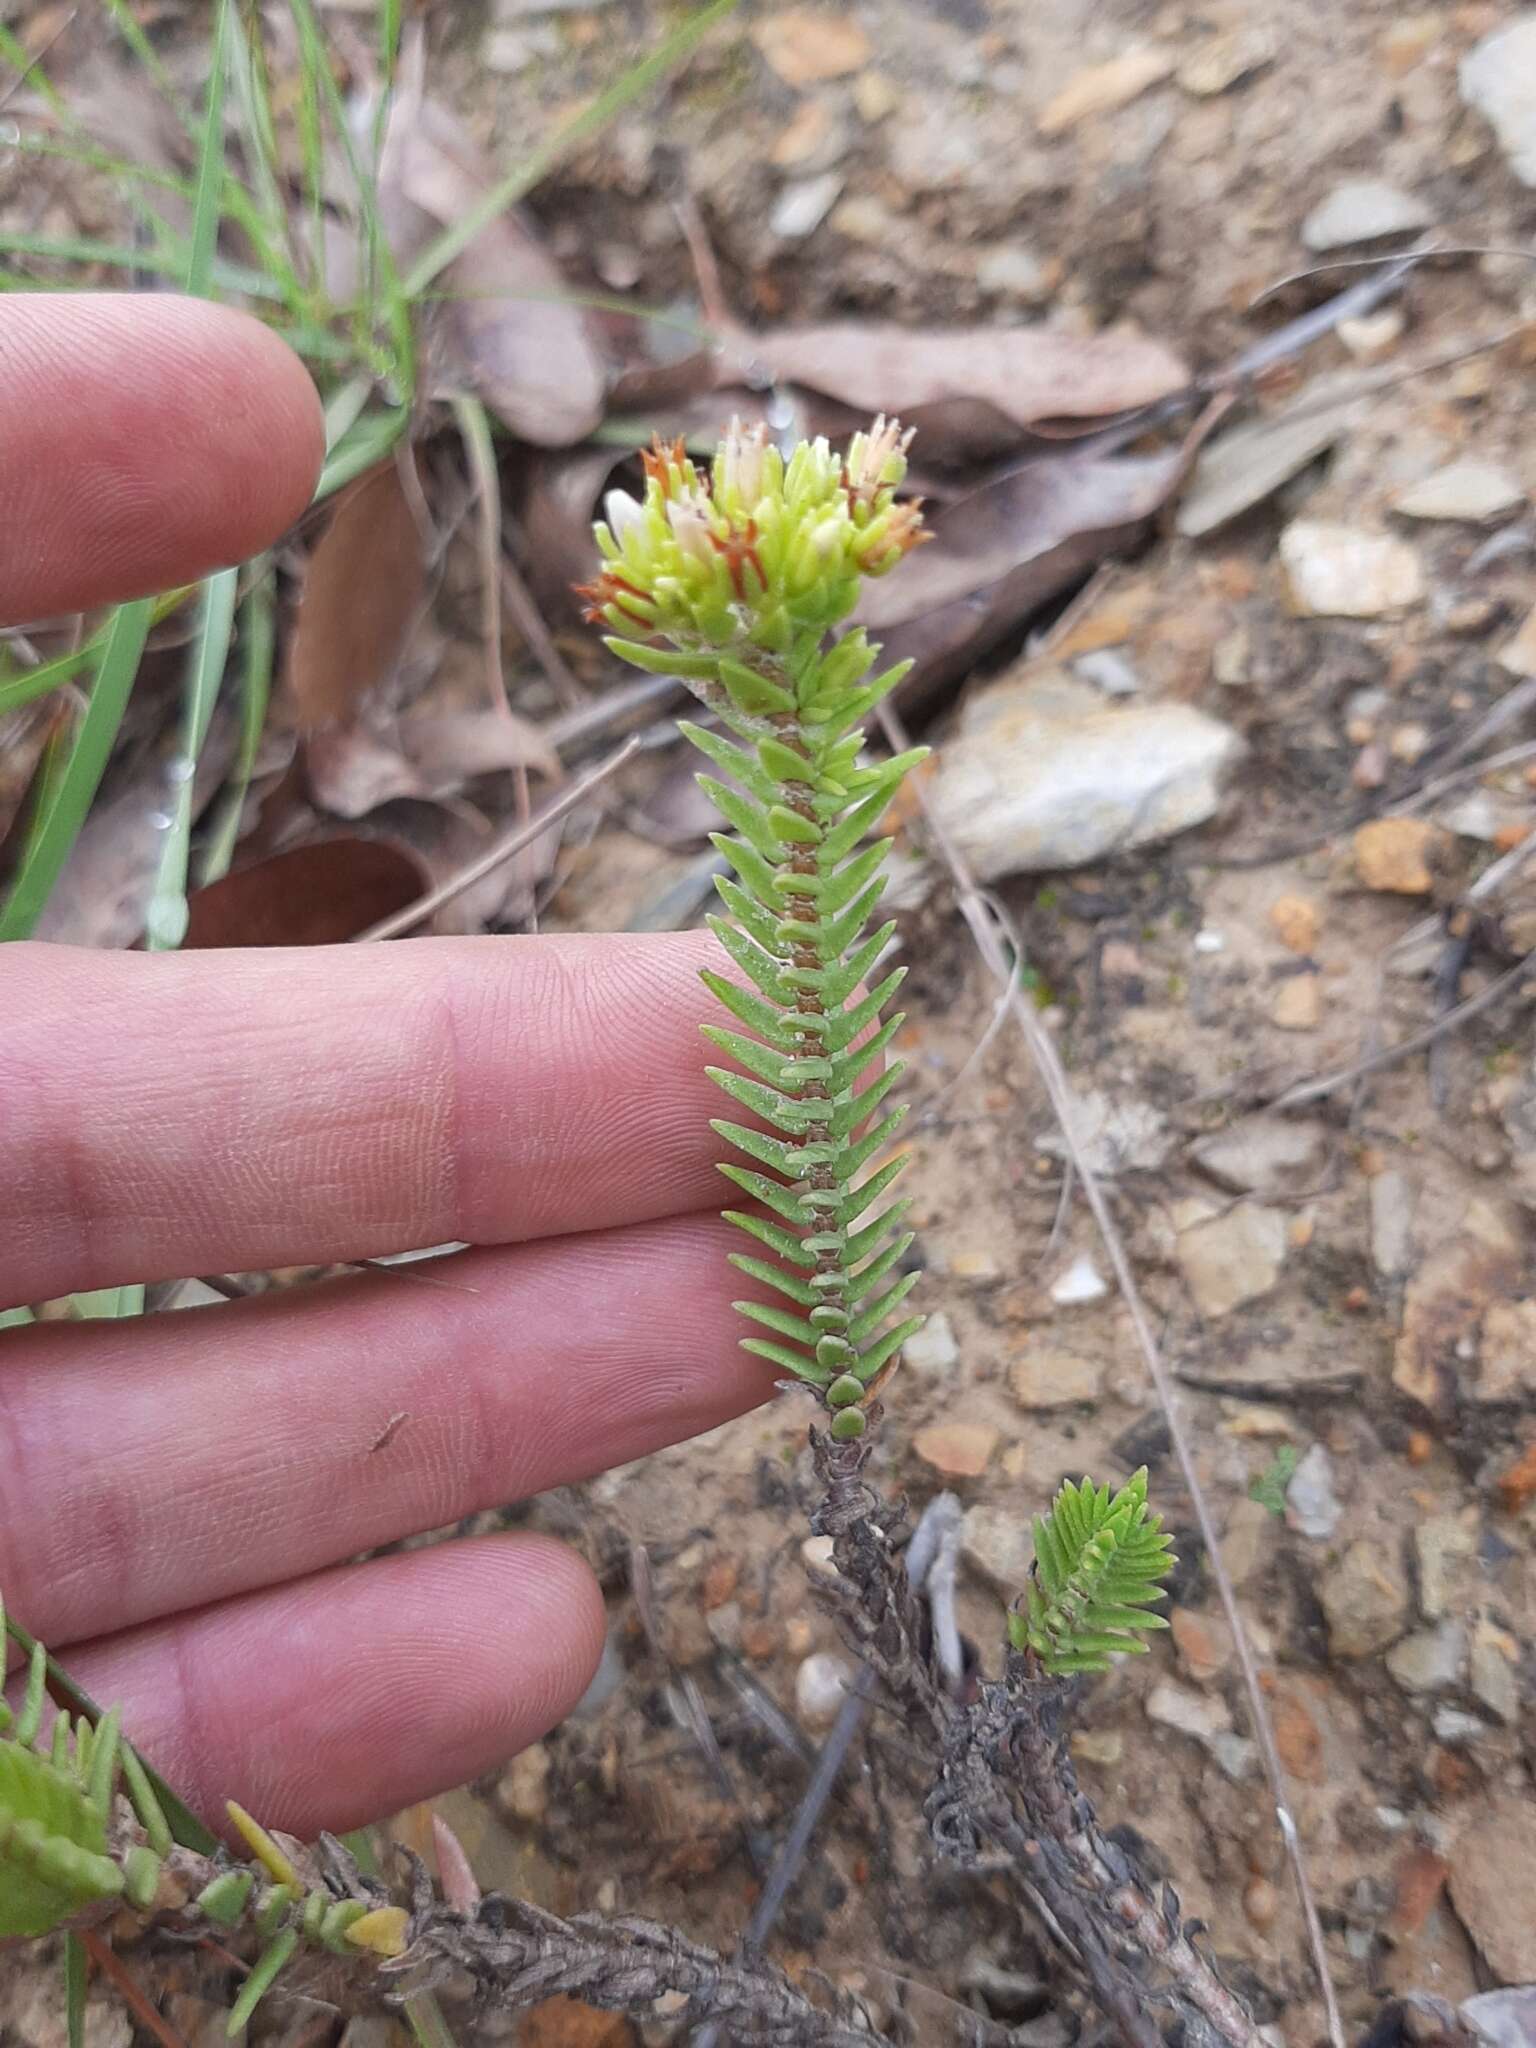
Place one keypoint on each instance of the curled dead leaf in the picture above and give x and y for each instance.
(315, 895)
(507, 331)
(363, 589)
(1000, 552)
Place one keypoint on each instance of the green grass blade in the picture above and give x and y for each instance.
(28, 68)
(165, 920)
(367, 443)
(210, 164)
(31, 683)
(228, 277)
(59, 825)
(639, 79)
(74, 1991)
(258, 643)
(13, 1318)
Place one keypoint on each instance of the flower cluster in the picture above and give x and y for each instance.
(757, 549)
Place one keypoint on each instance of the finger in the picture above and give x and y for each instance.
(144, 440)
(152, 1465)
(225, 1112)
(330, 1702)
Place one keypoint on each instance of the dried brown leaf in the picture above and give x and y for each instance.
(351, 771)
(362, 590)
(507, 332)
(316, 895)
(953, 383)
(998, 553)
(453, 747)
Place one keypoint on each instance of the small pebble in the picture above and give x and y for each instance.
(821, 1686)
(1081, 1283)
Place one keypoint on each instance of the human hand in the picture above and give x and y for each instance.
(179, 1493)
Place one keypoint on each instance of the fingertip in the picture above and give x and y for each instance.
(145, 440)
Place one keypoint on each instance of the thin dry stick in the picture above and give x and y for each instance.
(132, 1993)
(984, 931)
(427, 906)
(475, 433)
(519, 601)
(1329, 1084)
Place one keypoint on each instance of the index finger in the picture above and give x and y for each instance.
(145, 439)
(167, 1114)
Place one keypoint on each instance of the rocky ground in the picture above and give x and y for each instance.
(1256, 805)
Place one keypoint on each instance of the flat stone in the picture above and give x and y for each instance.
(1506, 1353)
(1431, 1660)
(1340, 572)
(1507, 2018)
(1247, 1541)
(1392, 1203)
(933, 1349)
(1362, 210)
(1045, 775)
(1201, 1715)
(806, 47)
(1451, 1725)
(998, 1546)
(1468, 489)
(1492, 1673)
(1493, 1880)
(956, 1450)
(1232, 1258)
(1264, 1155)
(1297, 922)
(1222, 60)
(1203, 1643)
(1312, 1503)
(1441, 1543)
(1047, 1377)
(1498, 78)
(1393, 855)
(1113, 1136)
(1104, 88)
(1364, 1596)
(1446, 1300)
(1298, 1003)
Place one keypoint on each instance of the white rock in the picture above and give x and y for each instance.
(1462, 490)
(998, 1546)
(1265, 1155)
(1114, 1137)
(1360, 210)
(1498, 78)
(1440, 1543)
(1431, 1660)
(1452, 1725)
(1232, 1258)
(933, 1349)
(1202, 1715)
(1109, 671)
(1314, 1508)
(1045, 775)
(803, 205)
(1011, 270)
(1492, 1671)
(1508, 2018)
(817, 1553)
(1339, 572)
(1392, 1204)
(1048, 1377)
(821, 1686)
(1082, 1282)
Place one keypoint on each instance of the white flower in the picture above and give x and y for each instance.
(739, 464)
(688, 515)
(878, 458)
(621, 512)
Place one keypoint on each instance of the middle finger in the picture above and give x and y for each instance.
(156, 1463)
